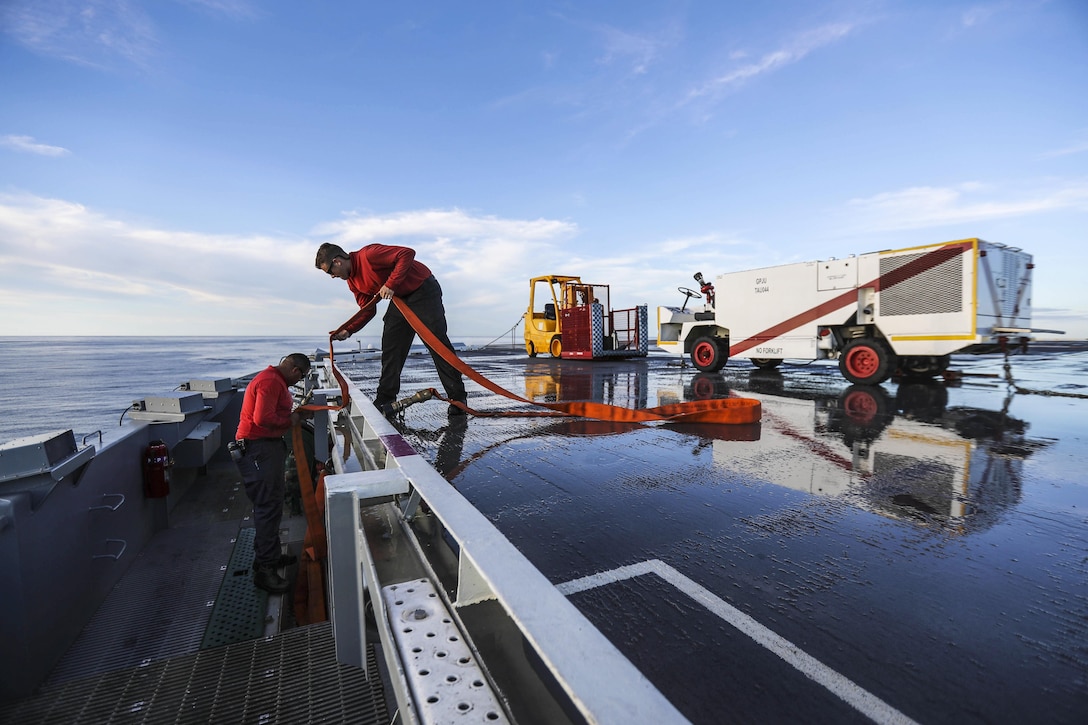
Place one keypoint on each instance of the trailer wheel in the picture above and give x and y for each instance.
(556, 346)
(531, 349)
(866, 361)
(709, 354)
(766, 363)
(916, 365)
(923, 366)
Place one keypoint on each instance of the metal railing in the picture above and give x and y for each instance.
(395, 524)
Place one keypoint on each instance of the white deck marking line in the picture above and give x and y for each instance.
(860, 699)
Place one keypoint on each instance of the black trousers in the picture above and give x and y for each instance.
(397, 338)
(262, 470)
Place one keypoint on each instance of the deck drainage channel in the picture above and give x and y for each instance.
(239, 609)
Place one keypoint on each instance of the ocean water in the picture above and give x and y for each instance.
(87, 383)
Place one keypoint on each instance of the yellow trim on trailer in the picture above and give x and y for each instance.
(920, 338)
(974, 291)
(973, 240)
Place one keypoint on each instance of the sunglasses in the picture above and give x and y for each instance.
(332, 265)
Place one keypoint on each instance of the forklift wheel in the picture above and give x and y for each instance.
(530, 349)
(556, 347)
(709, 354)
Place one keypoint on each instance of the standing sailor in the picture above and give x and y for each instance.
(384, 271)
(260, 453)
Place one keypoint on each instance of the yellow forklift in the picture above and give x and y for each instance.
(571, 319)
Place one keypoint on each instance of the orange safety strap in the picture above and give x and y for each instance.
(310, 584)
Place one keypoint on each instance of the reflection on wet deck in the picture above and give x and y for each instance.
(920, 539)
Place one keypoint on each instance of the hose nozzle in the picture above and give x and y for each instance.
(418, 397)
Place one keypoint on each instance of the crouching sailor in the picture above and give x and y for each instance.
(260, 453)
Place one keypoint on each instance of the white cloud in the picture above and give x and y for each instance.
(89, 32)
(979, 14)
(229, 8)
(109, 268)
(29, 145)
(927, 206)
(638, 50)
(97, 33)
(356, 228)
(112, 269)
(1077, 148)
(484, 262)
(792, 52)
(700, 99)
(481, 261)
(120, 277)
(975, 15)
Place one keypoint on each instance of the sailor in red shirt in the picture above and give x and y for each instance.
(267, 414)
(384, 271)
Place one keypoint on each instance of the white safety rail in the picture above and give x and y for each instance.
(376, 557)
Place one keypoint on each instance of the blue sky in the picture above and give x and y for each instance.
(170, 166)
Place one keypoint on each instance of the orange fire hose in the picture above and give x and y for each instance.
(732, 411)
(309, 588)
(721, 410)
(310, 583)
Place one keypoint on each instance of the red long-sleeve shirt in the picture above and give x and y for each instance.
(266, 407)
(376, 265)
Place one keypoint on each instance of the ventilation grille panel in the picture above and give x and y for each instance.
(936, 290)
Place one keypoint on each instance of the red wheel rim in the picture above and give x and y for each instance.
(704, 353)
(862, 361)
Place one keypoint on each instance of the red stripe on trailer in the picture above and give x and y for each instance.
(910, 269)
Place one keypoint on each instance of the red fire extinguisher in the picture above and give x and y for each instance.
(156, 461)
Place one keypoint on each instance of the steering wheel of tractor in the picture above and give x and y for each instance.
(689, 294)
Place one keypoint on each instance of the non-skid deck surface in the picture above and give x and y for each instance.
(290, 678)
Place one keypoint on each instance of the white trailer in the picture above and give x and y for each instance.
(903, 310)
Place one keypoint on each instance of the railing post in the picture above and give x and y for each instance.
(346, 586)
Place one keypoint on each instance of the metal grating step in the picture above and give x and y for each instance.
(240, 607)
(448, 683)
(290, 678)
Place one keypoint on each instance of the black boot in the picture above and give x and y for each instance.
(284, 560)
(266, 578)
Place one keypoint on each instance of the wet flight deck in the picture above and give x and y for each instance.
(908, 552)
